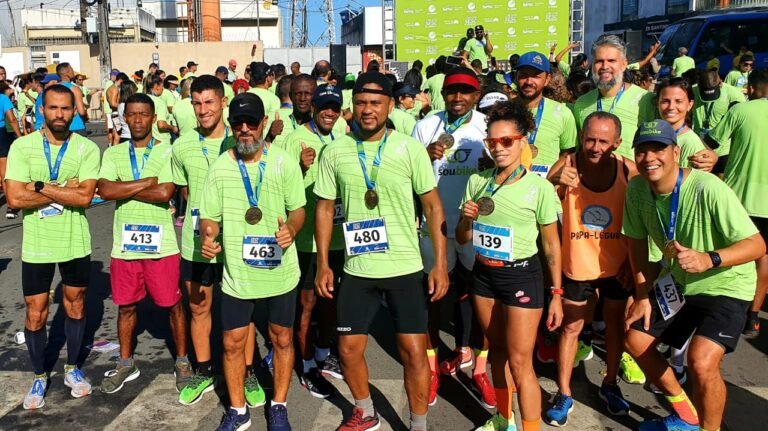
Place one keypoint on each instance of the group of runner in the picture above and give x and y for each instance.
(315, 203)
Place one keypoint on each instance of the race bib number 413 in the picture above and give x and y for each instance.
(142, 238)
(493, 242)
(262, 251)
(366, 236)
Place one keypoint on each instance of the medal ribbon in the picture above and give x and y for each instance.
(615, 100)
(54, 169)
(134, 165)
(708, 108)
(534, 132)
(512, 176)
(679, 129)
(450, 128)
(669, 230)
(317, 132)
(205, 150)
(253, 199)
(370, 182)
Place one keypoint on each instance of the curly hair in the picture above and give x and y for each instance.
(514, 111)
(556, 89)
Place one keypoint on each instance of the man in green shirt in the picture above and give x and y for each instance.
(162, 127)
(713, 98)
(377, 173)
(222, 73)
(479, 48)
(703, 284)
(434, 86)
(255, 192)
(740, 77)
(52, 177)
(682, 63)
(745, 126)
(145, 256)
(261, 80)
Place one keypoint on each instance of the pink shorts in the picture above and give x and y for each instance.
(132, 279)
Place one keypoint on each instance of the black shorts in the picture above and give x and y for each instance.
(5, 142)
(718, 318)
(36, 278)
(308, 267)
(762, 227)
(237, 313)
(519, 285)
(579, 291)
(207, 274)
(358, 299)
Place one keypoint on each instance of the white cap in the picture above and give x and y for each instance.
(491, 99)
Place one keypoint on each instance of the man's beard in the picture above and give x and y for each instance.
(249, 149)
(604, 85)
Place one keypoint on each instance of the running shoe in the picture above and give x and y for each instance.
(752, 328)
(456, 360)
(331, 367)
(316, 384)
(35, 398)
(267, 361)
(546, 342)
(115, 379)
(583, 353)
(11, 214)
(497, 422)
(183, 372)
(357, 422)
(681, 376)
(669, 423)
(76, 380)
(483, 390)
(434, 384)
(629, 370)
(235, 422)
(254, 394)
(278, 419)
(614, 400)
(557, 415)
(196, 387)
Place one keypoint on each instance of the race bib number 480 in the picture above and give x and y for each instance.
(493, 242)
(262, 251)
(142, 238)
(365, 236)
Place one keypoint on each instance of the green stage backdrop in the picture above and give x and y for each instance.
(427, 29)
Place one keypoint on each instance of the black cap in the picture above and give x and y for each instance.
(259, 70)
(478, 27)
(373, 78)
(246, 105)
(191, 63)
(222, 69)
(326, 95)
(401, 89)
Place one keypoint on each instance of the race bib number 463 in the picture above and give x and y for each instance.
(142, 238)
(493, 242)
(262, 251)
(366, 236)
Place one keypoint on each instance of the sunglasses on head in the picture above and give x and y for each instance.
(504, 141)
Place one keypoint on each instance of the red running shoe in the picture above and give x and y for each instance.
(434, 384)
(357, 422)
(456, 360)
(483, 390)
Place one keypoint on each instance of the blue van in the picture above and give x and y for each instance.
(716, 34)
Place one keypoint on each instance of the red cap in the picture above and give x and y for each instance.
(462, 79)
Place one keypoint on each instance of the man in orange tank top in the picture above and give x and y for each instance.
(591, 185)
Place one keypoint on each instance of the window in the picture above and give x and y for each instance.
(677, 6)
(629, 10)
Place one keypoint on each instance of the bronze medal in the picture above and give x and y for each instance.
(371, 199)
(253, 215)
(670, 252)
(534, 151)
(485, 206)
(446, 140)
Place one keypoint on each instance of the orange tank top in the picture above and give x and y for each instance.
(593, 246)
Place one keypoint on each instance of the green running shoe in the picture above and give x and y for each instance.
(629, 370)
(497, 422)
(196, 387)
(254, 394)
(583, 353)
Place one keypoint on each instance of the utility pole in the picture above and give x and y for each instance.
(83, 18)
(105, 53)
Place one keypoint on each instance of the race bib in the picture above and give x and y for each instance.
(338, 212)
(195, 214)
(492, 242)
(262, 251)
(51, 210)
(365, 236)
(668, 296)
(142, 238)
(540, 170)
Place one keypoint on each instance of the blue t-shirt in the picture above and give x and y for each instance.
(39, 119)
(5, 106)
(77, 120)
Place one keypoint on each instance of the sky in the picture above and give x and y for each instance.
(317, 26)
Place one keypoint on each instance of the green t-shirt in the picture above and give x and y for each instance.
(405, 169)
(116, 166)
(737, 79)
(24, 102)
(268, 98)
(564, 67)
(289, 125)
(690, 144)
(224, 201)
(683, 64)
(346, 97)
(635, 106)
(168, 98)
(161, 112)
(556, 132)
(229, 93)
(305, 240)
(710, 217)
(67, 236)
(476, 50)
(522, 206)
(186, 120)
(190, 166)
(104, 103)
(403, 121)
(435, 88)
(746, 127)
(716, 109)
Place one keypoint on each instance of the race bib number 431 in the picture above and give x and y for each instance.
(366, 236)
(493, 242)
(262, 251)
(142, 238)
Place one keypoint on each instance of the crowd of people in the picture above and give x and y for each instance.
(562, 206)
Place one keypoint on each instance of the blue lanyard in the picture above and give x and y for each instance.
(286, 105)
(253, 200)
(450, 128)
(679, 129)
(370, 182)
(132, 154)
(613, 104)
(534, 132)
(54, 169)
(317, 132)
(205, 150)
(512, 176)
(708, 108)
(669, 231)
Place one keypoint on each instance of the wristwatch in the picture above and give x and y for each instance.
(716, 261)
(39, 186)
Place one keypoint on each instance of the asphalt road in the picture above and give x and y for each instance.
(150, 402)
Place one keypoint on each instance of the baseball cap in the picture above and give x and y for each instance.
(114, 73)
(478, 27)
(222, 69)
(259, 70)
(491, 99)
(709, 86)
(401, 89)
(326, 95)
(535, 60)
(350, 77)
(50, 77)
(172, 79)
(658, 131)
(239, 84)
(191, 63)
(246, 105)
(373, 78)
